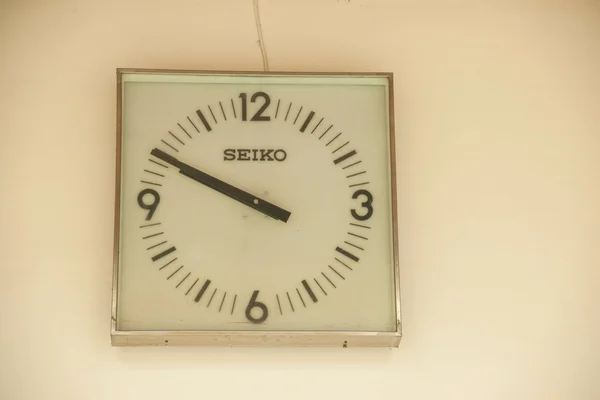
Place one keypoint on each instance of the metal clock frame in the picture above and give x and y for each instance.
(255, 338)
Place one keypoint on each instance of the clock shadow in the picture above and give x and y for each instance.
(262, 357)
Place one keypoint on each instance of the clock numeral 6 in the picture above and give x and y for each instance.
(256, 304)
(368, 204)
(258, 115)
(151, 207)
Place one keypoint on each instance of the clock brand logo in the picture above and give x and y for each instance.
(254, 155)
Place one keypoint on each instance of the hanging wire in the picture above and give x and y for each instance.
(261, 42)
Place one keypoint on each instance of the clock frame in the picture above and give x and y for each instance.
(343, 338)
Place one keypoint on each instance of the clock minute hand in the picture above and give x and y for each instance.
(233, 192)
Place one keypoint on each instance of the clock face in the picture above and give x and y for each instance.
(255, 202)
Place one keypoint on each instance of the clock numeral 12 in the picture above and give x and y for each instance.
(151, 207)
(252, 304)
(368, 204)
(258, 115)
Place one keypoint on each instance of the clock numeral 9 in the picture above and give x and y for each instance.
(368, 204)
(151, 207)
(256, 304)
(258, 115)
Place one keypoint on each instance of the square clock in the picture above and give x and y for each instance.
(255, 209)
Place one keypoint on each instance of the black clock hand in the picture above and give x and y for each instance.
(237, 194)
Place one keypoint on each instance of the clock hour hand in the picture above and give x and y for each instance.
(222, 187)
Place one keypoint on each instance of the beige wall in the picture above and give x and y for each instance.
(498, 116)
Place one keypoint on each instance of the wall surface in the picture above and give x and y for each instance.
(499, 197)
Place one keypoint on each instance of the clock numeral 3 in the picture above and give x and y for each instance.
(151, 207)
(258, 115)
(368, 204)
(256, 304)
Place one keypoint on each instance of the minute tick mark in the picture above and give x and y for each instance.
(176, 271)
(154, 173)
(359, 184)
(223, 111)
(167, 264)
(352, 165)
(155, 234)
(176, 138)
(169, 145)
(277, 109)
(288, 111)
(315, 128)
(319, 285)
(233, 306)
(328, 280)
(149, 225)
(211, 298)
(343, 263)
(156, 245)
(157, 163)
(301, 299)
(151, 183)
(211, 113)
(358, 173)
(358, 236)
(324, 133)
(290, 300)
(193, 124)
(222, 301)
(339, 148)
(361, 226)
(299, 111)
(233, 108)
(353, 245)
(279, 304)
(183, 129)
(184, 278)
(193, 284)
(331, 141)
(334, 270)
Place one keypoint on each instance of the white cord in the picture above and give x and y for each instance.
(261, 42)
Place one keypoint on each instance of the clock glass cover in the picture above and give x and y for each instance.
(255, 204)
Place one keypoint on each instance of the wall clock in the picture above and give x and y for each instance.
(255, 209)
